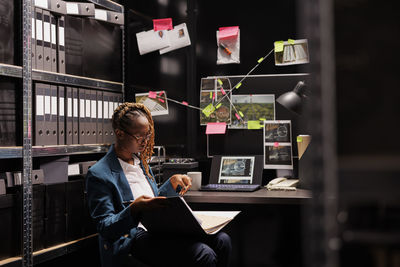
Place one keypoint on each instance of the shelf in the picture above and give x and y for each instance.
(108, 4)
(372, 237)
(58, 78)
(42, 151)
(10, 70)
(53, 252)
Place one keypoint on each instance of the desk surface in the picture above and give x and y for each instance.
(261, 196)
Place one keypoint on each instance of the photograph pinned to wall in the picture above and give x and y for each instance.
(291, 52)
(236, 170)
(228, 45)
(278, 156)
(149, 41)
(221, 112)
(252, 108)
(178, 37)
(277, 131)
(156, 102)
(278, 144)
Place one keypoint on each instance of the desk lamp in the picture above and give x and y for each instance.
(293, 100)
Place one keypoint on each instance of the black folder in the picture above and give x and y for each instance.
(69, 116)
(75, 116)
(46, 40)
(61, 115)
(82, 116)
(93, 116)
(53, 58)
(99, 124)
(39, 38)
(39, 115)
(61, 45)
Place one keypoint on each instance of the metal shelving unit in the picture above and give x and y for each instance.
(27, 151)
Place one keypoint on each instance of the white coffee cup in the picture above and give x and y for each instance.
(196, 180)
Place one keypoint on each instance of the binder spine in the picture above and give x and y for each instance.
(93, 116)
(39, 38)
(99, 123)
(46, 41)
(80, 9)
(61, 116)
(39, 115)
(82, 117)
(75, 116)
(53, 43)
(69, 117)
(33, 22)
(109, 16)
(61, 44)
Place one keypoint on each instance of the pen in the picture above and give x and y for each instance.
(225, 49)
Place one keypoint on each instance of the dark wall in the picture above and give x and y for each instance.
(179, 72)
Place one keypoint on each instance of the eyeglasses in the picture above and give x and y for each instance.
(139, 139)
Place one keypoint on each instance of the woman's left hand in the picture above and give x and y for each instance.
(184, 181)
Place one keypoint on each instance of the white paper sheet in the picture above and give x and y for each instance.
(149, 41)
(178, 37)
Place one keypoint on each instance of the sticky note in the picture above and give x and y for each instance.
(161, 100)
(228, 32)
(216, 128)
(223, 91)
(208, 110)
(185, 103)
(290, 41)
(237, 116)
(262, 119)
(162, 24)
(260, 60)
(276, 144)
(278, 46)
(218, 105)
(211, 94)
(238, 85)
(253, 125)
(161, 93)
(152, 94)
(299, 139)
(241, 113)
(219, 81)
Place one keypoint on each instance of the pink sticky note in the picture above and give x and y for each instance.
(213, 96)
(216, 128)
(152, 94)
(223, 91)
(161, 93)
(228, 32)
(161, 100)
(237, 116)
(185, 103)
(162, 24)
(276, 144)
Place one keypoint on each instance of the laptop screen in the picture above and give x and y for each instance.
(236, 170)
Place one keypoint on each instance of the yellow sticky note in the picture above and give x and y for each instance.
(262, 119)
(299, 139)
(260, 60)
(253, 125)
(219, 81)
(290, 41)
(210, 95)
(208, 110)
(218, 105)
(238, 85)
(278, 46)
(241, 114)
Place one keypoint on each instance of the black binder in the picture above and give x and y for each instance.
(61, 44)
(99, 124)
(39, 38)
(69, 116)
(39, 115)
(93, 116)
(7, 31)
(75, 116)
(61, 115)
(46, 41)
(82, 116)
(53, 58)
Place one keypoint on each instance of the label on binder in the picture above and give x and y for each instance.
(94, 109)
(47, 103)
(39, 105)
(61, 113)
(100, 14)
(41, 3)
(72, 8)
(53, 105)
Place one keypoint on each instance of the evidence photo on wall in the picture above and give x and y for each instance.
(278, 157)
(156, 102)
(252, 108)
(277, 131)
(222, 112)
(236, 170)
(278, 145)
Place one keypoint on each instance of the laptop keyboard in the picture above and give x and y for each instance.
(230, 187)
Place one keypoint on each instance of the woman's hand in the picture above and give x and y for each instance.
(184, 181)
(145, 203)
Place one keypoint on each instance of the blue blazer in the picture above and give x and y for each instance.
(108, 192)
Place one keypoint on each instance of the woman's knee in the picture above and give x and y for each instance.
(205, 256)
(224, 241)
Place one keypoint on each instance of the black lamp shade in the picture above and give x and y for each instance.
(291, 101)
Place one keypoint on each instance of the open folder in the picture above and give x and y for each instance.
(177, 218)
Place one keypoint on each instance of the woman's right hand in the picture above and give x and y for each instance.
(145, 203)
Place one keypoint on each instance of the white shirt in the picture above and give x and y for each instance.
(137, 181)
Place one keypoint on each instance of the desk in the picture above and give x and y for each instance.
(261, 196)
(268, 230)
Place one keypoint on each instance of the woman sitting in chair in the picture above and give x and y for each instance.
(121, 186)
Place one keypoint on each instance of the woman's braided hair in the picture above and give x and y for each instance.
(122, 119)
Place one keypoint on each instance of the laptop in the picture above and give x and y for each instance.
(235, 173)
